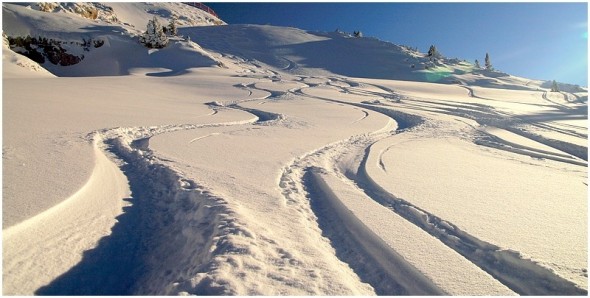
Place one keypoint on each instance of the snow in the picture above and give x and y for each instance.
(261, 160)
(91, 212)
(513, 205)
(15, 63)
(438, 263)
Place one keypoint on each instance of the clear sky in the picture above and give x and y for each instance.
(546, 41)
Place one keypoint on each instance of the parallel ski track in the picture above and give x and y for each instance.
(93, 276)
(523, 276)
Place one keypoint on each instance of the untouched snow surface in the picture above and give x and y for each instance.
(260, 160)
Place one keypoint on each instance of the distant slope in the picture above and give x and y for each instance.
(302, 52)
(290, 50)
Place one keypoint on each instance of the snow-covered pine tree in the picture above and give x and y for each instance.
(488, 63)
(433, 53)
(172, 29)
(477, 64)
(554, 87)
(154, 36)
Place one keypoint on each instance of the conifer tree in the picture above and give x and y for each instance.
(172, 29)
(477, 64)
(554, 87)
(433, 53)
(488, 63)
(154, 36)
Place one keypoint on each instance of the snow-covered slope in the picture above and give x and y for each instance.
(261, 160)
(287, 49)
(103, 46)
(125, 14)
(302, 52)
(16, 64)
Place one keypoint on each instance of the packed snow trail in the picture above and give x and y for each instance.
(305, 259)
(365, 251)
(146, 229)
(521, 275)
(121, 253)
(169, 213)
(387, 271)
(517, 124)
(374, 261)
(565, 267)
(140, 245)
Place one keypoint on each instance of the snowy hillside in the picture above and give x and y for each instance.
(263, 160)
(97, 47)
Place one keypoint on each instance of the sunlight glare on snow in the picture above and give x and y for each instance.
(436, 75)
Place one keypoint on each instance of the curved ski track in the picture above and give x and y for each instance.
(152, 266)
(520, 275)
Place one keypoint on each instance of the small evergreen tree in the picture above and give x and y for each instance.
(554, 87)
(154, 36)
(433, 53)
(358, 34)
(172, 29)
(477, 64)
(488, 63)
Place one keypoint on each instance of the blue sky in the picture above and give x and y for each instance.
(535, 40)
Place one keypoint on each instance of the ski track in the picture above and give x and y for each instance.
(521, 275)
(178, 236)
(559, 105)
(512, 123)
(381, 163)
(202, 137)
(365, 115)
(170, 213)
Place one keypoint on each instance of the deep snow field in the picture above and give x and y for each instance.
(261, 160)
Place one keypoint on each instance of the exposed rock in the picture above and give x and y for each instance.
(42, 49)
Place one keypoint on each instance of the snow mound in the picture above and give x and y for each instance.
(96, 47)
